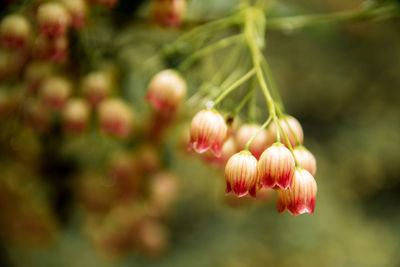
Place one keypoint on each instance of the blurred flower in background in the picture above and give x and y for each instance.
(96, 100)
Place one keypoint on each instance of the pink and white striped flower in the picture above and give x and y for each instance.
(305, 159)
(276, 167)
(300, 198)
(259, 144)
(96, 86)
(166, 91)
(76, 115)
(55, 92)
(290, 126)
(15, 31)
(241, 174)
(168, 13)
(78, 11)
(53, 19)
(115, 118)
(208, 130)
(228, 149)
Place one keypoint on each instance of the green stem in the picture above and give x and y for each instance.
(243, 102)
(213, 25)
(278, 136)
(280, 114)
(271, 82)
(234, 86)
(257, 133)
(233, 56)
(287, 141)
(252, 112)
(295, 22)
(256, 58)
(209, 49)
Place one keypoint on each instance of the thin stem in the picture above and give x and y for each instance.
(271, 81)
(280, 114)
(278, 136)
(231, 78)
(217, 24)
(288, 142)
(252, 112)
(299, 21)
(234, 86)
(257, 133)
(256, 58)
(246, 99)
(209, 49)
(233, 56)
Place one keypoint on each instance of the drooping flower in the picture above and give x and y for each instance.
(259, 144)
(276, 167)
(78, 10)
(290, 126)
(168, 13)
(166, 91)
(96, 86)
(53, 19)
(208, 130)
(51, 49)
(15, 31)
(300, 198)
(241, 174)
(305, 159)
(228, 149)
(115, 118)
(54, 92)
(76, 115)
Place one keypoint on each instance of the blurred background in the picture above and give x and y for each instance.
(93, 200)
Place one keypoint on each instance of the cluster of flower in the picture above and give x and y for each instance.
(50, 92)
(127, 205)
(265, 163)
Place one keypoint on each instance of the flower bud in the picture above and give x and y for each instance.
(289, 124)
(55, 49)
(96, 86)
(300, 198)
(241, 174)
(54, 92)
(77, 10)
(259, 144)
(15, 31)
(166, 91)
(276, 167)
(228, 149)
(168, 12)
(53, 19)
(76, 115)
(305, 159)
(116, 118)
(208, 130)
